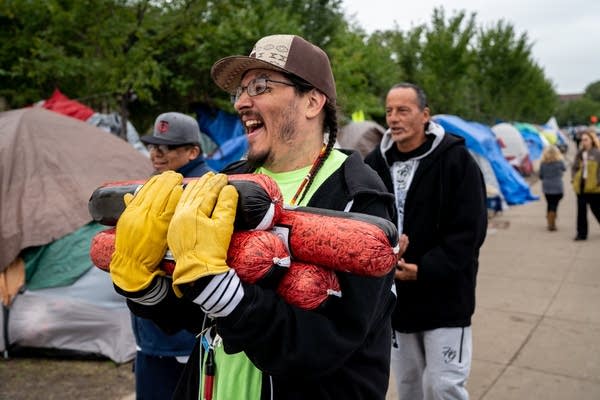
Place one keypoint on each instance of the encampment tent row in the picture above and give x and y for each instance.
(50, 165)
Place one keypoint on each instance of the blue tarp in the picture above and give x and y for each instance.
(533, 139)
(481, 140)
(227, 132)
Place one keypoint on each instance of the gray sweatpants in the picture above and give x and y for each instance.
(432, 365)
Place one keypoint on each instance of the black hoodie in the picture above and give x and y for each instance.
(445, 219)
(340, 350)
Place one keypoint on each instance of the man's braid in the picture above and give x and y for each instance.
(332, 127)
(330, 124)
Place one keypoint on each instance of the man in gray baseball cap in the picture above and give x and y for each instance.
(175, 129)
(175, 145)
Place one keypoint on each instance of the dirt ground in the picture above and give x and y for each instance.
(54, 379)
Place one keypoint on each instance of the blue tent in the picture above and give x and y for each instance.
(227, 132)
(533, 139)
(481, 140)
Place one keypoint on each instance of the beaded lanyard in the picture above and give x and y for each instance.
(309, 175)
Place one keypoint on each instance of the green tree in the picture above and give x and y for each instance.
(363, 72)
(392, 56)
(577, 112)
(446, 61)
(510, 85)
(159, 52)
(100, 51)
(592, 91)
(96, 50)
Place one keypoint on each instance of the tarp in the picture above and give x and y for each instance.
(83, 319)
(362, 136)
(480, 139)
(112, 123)
(552, 125)
(227, 132)
(49, 166)
(61, 104)
(492, 187)
(535, 141)
(61, 262)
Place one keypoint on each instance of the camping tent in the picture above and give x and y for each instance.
(481, 140)
(362, 136)
(561, 139)
(513, 147)
(61, 104)
(85, 319)
(535, 141)
(50, 165)
(228, 134)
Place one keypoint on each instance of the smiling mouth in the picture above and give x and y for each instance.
(252, 125)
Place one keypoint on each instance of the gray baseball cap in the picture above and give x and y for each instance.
(173, 128)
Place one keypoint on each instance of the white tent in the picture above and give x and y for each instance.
(83, 319)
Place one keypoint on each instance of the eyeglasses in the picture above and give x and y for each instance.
(164, 148)
(255, 87)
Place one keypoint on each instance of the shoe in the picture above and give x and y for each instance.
(551, 218)
(577, 238)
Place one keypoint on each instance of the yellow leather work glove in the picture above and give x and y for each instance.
(141, 235)
(201, 229)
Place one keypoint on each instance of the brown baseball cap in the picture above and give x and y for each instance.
(285, 53)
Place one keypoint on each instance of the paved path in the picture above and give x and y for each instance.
(536, 329)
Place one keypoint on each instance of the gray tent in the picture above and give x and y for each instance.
(362, 136)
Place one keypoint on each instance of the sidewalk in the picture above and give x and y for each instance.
(536, 328)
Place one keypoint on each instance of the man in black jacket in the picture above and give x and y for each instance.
(265, 348)
(440, 200)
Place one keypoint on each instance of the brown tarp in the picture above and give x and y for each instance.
(49, 166)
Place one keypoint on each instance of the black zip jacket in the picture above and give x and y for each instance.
(445, 219)
(339, 351)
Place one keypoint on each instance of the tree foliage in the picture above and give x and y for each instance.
(510, 84)
(592, 91)
(101, 51)
(446, 60)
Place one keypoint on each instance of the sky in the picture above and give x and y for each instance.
(565, 35)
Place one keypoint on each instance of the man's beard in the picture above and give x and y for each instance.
(257, 160)
(287, 132)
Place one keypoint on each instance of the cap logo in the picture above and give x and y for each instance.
(274, 49)
(162, 126)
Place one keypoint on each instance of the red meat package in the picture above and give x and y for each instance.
(102, 248)
(257, 256)
(308, 286)
(259, 204)
(343, 241)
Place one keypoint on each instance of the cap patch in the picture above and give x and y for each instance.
(274, 51)
(162, 126)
